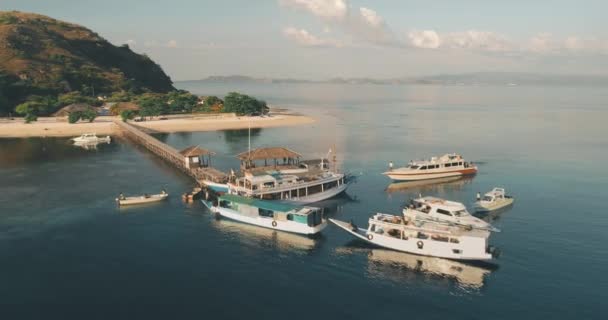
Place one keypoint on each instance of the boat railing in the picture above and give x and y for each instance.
(290, 186)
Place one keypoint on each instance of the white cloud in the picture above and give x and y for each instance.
(131, 42)
(326, 9)
(541, 43)
(305, 38)
(171, 44)
(428, 39)
(363, 24)
(477, 40)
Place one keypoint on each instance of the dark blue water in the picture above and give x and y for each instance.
(67, 252)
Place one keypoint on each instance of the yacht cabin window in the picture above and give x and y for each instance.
(444, 212)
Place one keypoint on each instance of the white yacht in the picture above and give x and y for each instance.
(423, 237)
(448, 165)
(287, 179)
(493, 200)
(91, 138)
(445, 212)
(269, 214)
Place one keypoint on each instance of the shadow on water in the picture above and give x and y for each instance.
(495, 215)
(430, 186)
(335, 204)
(259, 237)
(237, 140)
(400, 266)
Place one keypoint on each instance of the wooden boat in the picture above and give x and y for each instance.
(146, 198)
(269, 214)
(423, 237)
(493, 200)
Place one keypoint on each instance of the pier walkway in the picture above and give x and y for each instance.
(170, 154)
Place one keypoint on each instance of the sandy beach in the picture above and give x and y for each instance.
(59, 127)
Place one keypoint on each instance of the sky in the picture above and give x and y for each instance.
(320, 39)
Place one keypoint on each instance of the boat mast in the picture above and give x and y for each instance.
(249, 144)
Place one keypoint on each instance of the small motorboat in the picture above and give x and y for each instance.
(91, 138)
(146, 198)
(493, 200)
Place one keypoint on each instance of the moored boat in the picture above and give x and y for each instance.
(288, 179)
(146, 198)
(448, 165)
(422, 237)
(91, 138)
(493, 200)
(269, 214)
(445, 212)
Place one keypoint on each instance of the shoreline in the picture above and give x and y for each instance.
(104, 125)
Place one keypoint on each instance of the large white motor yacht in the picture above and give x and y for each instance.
(448, 165)
(444, 212)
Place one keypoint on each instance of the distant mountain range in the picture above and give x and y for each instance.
(477, 78)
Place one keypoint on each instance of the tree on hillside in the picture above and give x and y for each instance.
(181, 101)
(152, 105)
(35, 106)
(243, 104)
(77, 97)
(213, 104)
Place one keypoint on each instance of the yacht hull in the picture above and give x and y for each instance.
(488, 207)
(424, 247)
(269, 223)
(415, 175)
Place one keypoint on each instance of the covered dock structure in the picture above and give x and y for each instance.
(280, 157)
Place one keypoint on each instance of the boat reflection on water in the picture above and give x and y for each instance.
(431, 185)
(249, 234)
(400, 266)
(493, 216)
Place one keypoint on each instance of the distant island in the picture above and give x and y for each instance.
(475, 78)
(51, 67)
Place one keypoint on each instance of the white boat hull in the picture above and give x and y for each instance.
(481, 206)
(217, 187)
(425, 247)
(398, 175)
(318, 196)
(106, 139)
(270, 223)
(127, 201)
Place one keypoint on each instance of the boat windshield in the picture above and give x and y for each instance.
(487, 198)
(461, 213)
(414, 167)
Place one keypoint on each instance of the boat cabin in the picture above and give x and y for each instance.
(437, 206)
(445, 161)
(254, 208)
(197, 157)
(497, 194)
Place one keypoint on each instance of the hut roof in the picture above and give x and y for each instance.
(195, 151)
(65, 111)
(268, 153)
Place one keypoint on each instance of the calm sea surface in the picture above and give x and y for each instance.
(67, 251)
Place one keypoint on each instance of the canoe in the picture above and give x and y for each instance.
(126, 201)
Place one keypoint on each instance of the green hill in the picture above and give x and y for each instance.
(42, 56)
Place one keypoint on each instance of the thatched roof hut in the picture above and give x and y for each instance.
(196, 151)
(268, 153)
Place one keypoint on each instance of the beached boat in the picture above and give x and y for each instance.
(269, 214)
(448, 165)
(288, 179)
(493, 200)
(146, 198)
(445, 212)
(423, 237)
(91, 138)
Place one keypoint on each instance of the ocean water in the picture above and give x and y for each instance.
(67, 251)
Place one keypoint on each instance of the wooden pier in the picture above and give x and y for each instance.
(170, 154)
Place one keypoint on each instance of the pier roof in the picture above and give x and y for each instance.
(196, 151)
(268, 153)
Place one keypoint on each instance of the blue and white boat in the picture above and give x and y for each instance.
(269, 214)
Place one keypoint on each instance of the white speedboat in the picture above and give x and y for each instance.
(493, 200)
(91, 138)
(146, 198)
(269, 214)
(448, 165)
(445, 212)
(422, 237)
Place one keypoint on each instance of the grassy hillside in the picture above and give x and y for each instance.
(42, 56)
